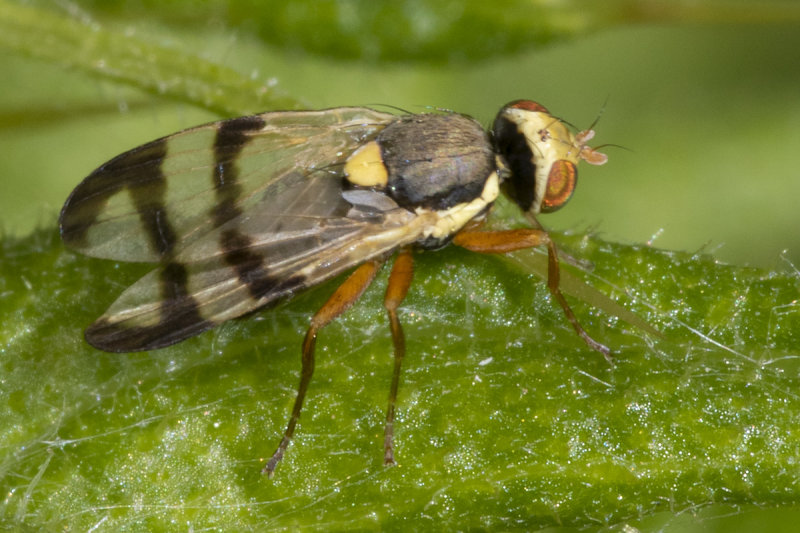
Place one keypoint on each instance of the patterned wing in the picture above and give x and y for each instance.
(252, 261)
(155, 200)
(238, 213)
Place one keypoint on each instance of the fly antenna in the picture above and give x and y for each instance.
(606, 145)
(599, 114)
(589, 154)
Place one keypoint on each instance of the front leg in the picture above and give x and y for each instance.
(505, 241)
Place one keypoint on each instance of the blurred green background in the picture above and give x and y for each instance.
(708, 115)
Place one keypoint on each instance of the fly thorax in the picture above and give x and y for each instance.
(435, 161)
(442, 167)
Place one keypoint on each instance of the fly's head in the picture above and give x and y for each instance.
(539, 155)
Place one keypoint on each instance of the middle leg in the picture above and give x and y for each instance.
(339, 302)
(399, 282)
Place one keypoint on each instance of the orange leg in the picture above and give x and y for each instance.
(339, 302)
(399, 282)
(501, 242)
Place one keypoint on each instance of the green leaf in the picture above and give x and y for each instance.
(506, 419)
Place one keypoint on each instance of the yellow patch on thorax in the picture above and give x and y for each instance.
(365, 167)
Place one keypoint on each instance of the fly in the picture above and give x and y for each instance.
(241, 213)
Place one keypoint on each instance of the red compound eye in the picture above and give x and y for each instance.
(560, 185)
